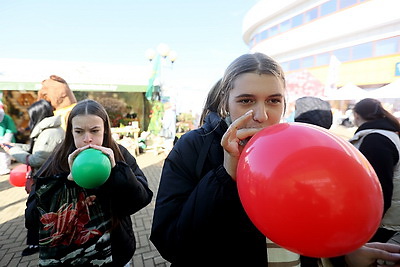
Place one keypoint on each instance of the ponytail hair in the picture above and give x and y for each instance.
(370, 109)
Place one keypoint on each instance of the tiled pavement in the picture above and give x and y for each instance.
(13, 232)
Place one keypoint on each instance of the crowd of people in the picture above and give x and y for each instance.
(198, 219)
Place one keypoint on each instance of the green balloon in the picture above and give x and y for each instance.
(91, 168)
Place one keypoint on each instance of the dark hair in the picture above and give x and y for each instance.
(212, 101)
(38, 111)
(58, 162)
(370, 109)
(217, 99)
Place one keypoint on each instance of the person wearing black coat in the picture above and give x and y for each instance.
(199, 219)
(101, 232)
(377, 138)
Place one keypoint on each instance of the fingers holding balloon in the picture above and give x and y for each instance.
(74, 154)
(106, 151)
(236, 133)
(232, 143)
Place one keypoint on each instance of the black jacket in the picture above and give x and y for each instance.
(127, 199)
(198, 219)
(125, 192)
(382, 154)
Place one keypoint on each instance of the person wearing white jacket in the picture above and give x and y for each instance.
(46, 134)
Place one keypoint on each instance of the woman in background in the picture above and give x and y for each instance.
(377, 138)
(46, 134)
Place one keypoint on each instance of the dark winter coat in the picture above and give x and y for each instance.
(381, 153)
(379, 142)
(124, 193)
(199, 219)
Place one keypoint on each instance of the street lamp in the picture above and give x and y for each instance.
(159, 58)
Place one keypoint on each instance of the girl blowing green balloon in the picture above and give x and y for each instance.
(89, 227)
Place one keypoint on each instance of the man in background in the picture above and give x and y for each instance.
(7, 135)
(57, 92)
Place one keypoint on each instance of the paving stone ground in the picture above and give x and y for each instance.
(13, 232)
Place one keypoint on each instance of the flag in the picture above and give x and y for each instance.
(333, 75)
(155, 73)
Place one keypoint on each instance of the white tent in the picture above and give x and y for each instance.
(392, 90)
(348, 92)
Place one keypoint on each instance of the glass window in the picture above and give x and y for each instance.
(264, 35)
(322, 59)
(285, 26)
(294, 64)
(362, 51)
(297, 20)
(257, 38)
(307, 62)
(342, 54)
(328, 7)
(387, 46)
(310, 15)
(273, 31)
(285, 66)
(346, 3)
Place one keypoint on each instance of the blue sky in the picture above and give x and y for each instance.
(207, 34)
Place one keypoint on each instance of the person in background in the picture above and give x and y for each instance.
(7, 135)
(313, 110)
(46, 134)
(168, 124)
(377, 138)
(57, 92)
(110, 240)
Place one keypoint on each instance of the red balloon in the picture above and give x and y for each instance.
(18, 175)
(308, 190)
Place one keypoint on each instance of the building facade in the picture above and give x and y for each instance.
(327, 44)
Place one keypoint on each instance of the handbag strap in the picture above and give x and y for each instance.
(28, 167)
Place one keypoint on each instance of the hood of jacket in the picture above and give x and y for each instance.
(381, 124)
(314, 111)
(213, 122)
(46, 123)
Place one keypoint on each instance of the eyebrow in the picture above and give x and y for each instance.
(251, 95)
(94, 127)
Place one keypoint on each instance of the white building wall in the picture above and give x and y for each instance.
(371, 20)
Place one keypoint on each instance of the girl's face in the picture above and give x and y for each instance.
(87, 129)
(264, 94)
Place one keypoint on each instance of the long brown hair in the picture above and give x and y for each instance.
(58, 162)
(370, 109)
(217, 99)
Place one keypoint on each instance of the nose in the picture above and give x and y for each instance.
(88, 138)
(260, 113)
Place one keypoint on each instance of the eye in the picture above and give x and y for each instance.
(274, 101)
(77, 131)
(245, 101)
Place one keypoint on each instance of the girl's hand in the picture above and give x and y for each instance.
(6, 146)
(107, 151)
(233, 141)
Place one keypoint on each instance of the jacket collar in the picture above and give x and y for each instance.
(49, 122)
